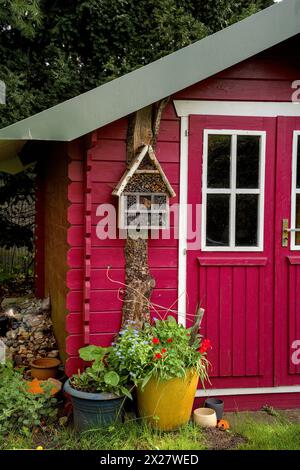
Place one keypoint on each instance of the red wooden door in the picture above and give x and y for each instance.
(287, 253)
(232, 164)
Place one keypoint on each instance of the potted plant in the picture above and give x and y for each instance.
(165, 361)
(98, 393)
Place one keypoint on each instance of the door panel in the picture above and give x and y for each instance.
(287, 258)
(234, 283)
(234, 308)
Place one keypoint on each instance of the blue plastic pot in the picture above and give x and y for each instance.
(92, 410)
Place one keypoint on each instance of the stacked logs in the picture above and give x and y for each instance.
(148, 183)
(30, 334)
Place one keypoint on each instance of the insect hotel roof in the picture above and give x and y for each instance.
(144, 175)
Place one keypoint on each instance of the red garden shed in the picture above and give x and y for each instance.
(229, 146)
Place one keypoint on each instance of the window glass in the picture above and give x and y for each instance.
(246, 228)
(298, 164)
(218, 161)
(247, 171)
(297, 225)
(217, 226)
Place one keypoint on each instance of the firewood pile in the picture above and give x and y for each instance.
(30, 330)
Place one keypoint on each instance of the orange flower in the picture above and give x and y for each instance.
(223, 425)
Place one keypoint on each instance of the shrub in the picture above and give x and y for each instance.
(18, 408)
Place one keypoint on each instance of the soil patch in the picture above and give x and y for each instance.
(222, 440)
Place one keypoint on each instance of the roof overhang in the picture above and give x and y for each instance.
(9, 156)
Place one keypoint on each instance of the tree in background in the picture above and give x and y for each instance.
(17, 210)
(52, 50)
(222, 13)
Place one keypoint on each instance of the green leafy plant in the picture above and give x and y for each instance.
(161, 350)
(99, 377)
(20, 409)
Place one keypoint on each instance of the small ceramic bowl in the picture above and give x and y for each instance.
(205, 417)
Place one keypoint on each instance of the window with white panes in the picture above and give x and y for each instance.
(233, 190)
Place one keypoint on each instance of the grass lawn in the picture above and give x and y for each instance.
(280, 435)
(247, 433)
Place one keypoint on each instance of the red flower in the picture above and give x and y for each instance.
(158, 356)
(155, 341)
(163, 351)
(206, 344)
(169, 340)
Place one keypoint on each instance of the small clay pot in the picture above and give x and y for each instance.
(205, 417)
(215, 404)
(44, 368)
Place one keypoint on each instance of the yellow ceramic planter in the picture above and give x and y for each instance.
(168, 404)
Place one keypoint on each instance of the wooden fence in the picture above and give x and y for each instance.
(15, 258)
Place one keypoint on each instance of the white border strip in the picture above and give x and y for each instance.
(295, 191)
(236, 108)
(247, 391)
(182, 222)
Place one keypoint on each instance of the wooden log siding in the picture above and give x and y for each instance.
(107, 164)
(52, 242)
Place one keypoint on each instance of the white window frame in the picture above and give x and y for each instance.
(295, 191)
(233, 191)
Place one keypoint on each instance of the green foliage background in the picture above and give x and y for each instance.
(53, 50)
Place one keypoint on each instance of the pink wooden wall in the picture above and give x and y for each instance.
(92, 301)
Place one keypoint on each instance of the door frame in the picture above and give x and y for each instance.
(185, 108)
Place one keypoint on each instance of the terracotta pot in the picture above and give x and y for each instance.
(44, 368)
(205, 417)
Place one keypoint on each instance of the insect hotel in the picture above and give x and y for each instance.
(144, 193)
(217, 123)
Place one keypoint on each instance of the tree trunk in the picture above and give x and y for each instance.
(143, 129)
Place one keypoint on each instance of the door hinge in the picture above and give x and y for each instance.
(186, 133)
